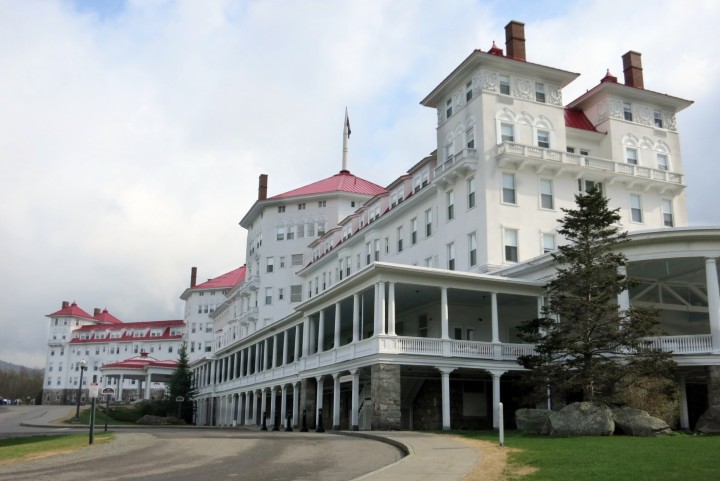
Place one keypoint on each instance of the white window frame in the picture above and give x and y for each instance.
(428, 223)
(506, 136)
(548, 242)
(632, 156)
(510, 240)
(450, 199)
(472, 249)
(540, 92)
(504, 84)
(663, 164)
(627, 111)
(666, 208)
(545, 188)
(657, 119)
(508, 189)
(470, 137)
(543, 138)
(471, 196)
(468, 91)
(636, 211)
(448, 108)
(451, 256)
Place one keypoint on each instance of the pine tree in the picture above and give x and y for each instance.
(586, 347)
(182, 382)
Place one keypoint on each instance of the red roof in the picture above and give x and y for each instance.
(71, 310)
(228, 279)
(107, 318)
(343, 181)
(140, 362)
(576, 119)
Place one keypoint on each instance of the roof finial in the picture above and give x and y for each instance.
(346, 140)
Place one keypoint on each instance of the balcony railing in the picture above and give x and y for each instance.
(463, 161)
(698, 344)
(513, 152)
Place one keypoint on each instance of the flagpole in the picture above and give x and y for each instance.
(346, 139)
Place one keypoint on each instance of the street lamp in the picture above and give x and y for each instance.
(83, 366)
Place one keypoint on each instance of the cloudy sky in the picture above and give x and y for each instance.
(132, 132)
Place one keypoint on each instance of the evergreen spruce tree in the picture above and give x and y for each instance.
(586, 347)
(182, 383)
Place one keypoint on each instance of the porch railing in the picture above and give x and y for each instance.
(697, 344)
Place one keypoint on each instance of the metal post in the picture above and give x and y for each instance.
(304, 428)
(264, 423)
(107, 410)
(92, 421)
(320, 428)
(288, 427)
(79, 393)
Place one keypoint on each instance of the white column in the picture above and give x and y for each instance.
(257, 357)
(494, 316)
(713, 292)
(445, 385)
(273, 403)
(263, 405)
(242, 362)
(265, 360)
(380, 301)
(306, 337)
(391, 309)
(684, 416)
(274, 352)
(296, 344)
(285, 348)
(239, 409)
(120, 388)
(623, 299)
(253, 407)
(336, 401)
(444, 321)
(336, 337)
(356, 318)
(354, 403)
(321, 331)
(296, 402)
(147, 386)
(318, 398)
(496, 397)
(248, 401)
(283, 404)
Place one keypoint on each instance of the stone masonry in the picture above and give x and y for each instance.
(385, 392)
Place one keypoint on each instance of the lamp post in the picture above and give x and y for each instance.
(83, 366)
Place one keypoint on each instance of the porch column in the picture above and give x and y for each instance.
(253, 407)
(296, 344)
(356, 318)
(355, 404)
(336, 338)
(444, 328)
(684, 416)
(713, 293)
(283, 403)
(273, 403)
(321, 331)
(306, 337)
(238, 409)
(285, 348)
(274, 352)
(263, 405)
(624, 297)
(391, 309)
(318, 399)
(496, 397)
(336, 401)
(296, 402)
(147, 386)
(248, 401)
(258, 368)
(495, 323)
(380, 309)
(242, 363)
(120, 388)
(445, 383)
(266, 350)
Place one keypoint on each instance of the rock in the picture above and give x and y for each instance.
(709, 422)
(636, 422)
(582, 419)
(158, 420)
(533, 421)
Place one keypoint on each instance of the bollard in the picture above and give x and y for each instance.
(304, 428)
(264, 423)
(276, 422)
(320, 428)
(288, 427)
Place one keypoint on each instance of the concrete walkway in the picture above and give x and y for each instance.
(433, 457)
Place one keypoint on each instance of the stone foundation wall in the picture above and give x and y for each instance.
(385, 392)
(713, 373)
(427, 408)
(308, 401)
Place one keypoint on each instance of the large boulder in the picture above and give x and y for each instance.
(709, 422)
(582, 419)
(636, 422)
(533, 421)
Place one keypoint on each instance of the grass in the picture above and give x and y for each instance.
(31, 447)
(99, 418)
(678, 457)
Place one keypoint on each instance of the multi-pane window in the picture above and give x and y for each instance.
(636, 213)
(296, 293)
(450, 151)
(504, 83)
(471, 192)
(368, 253)
(631, 155)
(508, 189)
(468, 91)
(302, 206)
(627, 111)
(322, 203)
(310, 231)
(585, 186)
(662, 162)
(470, 138)
(543, 139)
(510, 241)
(507, 132)
(281, 209)
(540, 92)
(546, 194)
(472, 249)
(296, 260)
(291, 232)
(321, 228)
(300, 231)
(448, 108)
(428, 223)
(347, 266)
(400, 239)
(413, 230)
(268, 295)
(451, 256)
(270, 264)
(281, 294)
(387, 245)
(667, 212)
(548, 242)
(450, 196)
(280, 233)
(657, 117)
(376, 249)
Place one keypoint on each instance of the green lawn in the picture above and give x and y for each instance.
(24, 448)
(616, 458)
(99, 417)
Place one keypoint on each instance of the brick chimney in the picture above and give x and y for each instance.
(65, 304)
(97, 312)
(193, 277)
(632, 68)
(262, 187)
(515, 40)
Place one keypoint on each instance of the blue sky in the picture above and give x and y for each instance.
(133, 132)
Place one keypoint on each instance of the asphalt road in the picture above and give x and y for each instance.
(210, 454)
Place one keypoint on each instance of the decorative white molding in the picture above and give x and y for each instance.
(523, 89)
(488, 80)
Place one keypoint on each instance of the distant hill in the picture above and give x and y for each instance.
(8, 366)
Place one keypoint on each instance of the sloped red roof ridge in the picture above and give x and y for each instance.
(72, 310)
(107, 318)
(343, 181)
(229, 279)
(140, 362)
(132, 325)
(576, 119)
